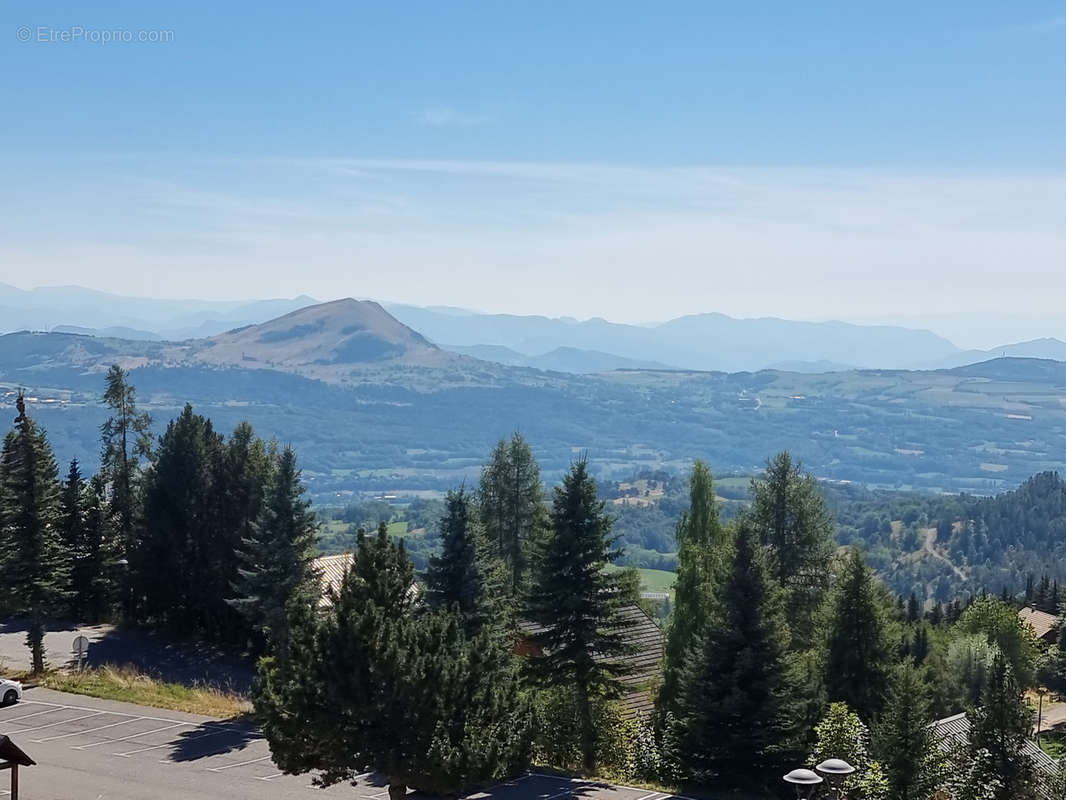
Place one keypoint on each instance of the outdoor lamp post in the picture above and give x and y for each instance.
(836, 770)
(1041, 692)
(805, 782)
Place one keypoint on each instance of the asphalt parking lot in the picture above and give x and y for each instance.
(103, 750)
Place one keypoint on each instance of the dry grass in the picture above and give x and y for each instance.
(127, 685)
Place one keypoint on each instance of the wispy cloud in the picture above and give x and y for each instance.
(448, 117)
(628, 241)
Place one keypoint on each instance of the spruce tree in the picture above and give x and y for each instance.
(859, 657)
(72, 532)
(511, 507)
(699, 545)
(999, 732)
(791, 518)
(35, 569)
(739, 705)
(276, 557)
(243, 471)
(175, 553)
(374, 686)
(905, 744)
(99, 576)
(125, 439)
(576, 602)
(467, 576)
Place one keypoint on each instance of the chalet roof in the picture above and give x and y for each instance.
(1041, 622)
(331, 571)
(955, 731)
(12, 753)
(646, 640)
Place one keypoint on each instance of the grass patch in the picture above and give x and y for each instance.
(653, 580)
(129, 686)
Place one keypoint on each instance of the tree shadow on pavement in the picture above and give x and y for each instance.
(212, 738)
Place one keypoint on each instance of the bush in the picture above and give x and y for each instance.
(626, 747)
(841, 734)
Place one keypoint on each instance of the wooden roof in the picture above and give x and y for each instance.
(331, 571)
(1041, 622)
(647, 641)
(12, 754)
(954, 731)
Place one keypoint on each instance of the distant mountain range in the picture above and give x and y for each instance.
(75, 309)
(374, 405)
(713, 342)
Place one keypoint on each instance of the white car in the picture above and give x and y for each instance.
(10, 692)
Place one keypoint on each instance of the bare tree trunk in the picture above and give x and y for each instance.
(35, 641)
(397, 791)
(588, 728)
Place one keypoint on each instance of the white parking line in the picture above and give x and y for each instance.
(61, 722)
(91, 730)
(116, 713)
(134, 736)
(649, 796)
(240, 764)
(270, 777)
(35, 714)
(205, 735)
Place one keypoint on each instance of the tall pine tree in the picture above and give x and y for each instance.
(35, 569)
(700, 540)
(905, 744)
(791, 518)
(576, 602)
(73, 527)
(125, 439)
(859, 658)
(276, 557)
(175, 554)
(511, 506)
(371, 685)
(740, 704)
(466, 576)
(999, 732)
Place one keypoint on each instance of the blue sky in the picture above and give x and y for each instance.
(448, 152)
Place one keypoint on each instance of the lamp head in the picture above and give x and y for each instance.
(835, 766)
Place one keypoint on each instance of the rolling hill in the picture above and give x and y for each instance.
(324, 341)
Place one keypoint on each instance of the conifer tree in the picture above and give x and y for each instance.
(242, 472)
(36, 571)
(466, 576)
(98, 575)
(125, 439)
(906, 745)
(78, 544)
(739, 705)
(374, 686)
(699, 548)
(859, 656)
(791, 518)
(576, 601)
(511, 506)
(276, 557)
(175, 553)
(999, 732)
(914, 611)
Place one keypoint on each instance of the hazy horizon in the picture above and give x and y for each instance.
(902, 163)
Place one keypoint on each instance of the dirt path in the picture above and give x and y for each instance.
(929, 546)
